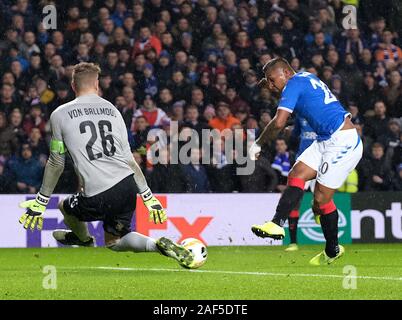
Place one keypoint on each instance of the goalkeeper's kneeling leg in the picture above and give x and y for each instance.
(132, 241)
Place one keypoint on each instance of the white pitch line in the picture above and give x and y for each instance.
(271, 274)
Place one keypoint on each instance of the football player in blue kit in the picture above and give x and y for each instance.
(329, 159)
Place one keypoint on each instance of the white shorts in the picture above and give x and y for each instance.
(335, 158)
(310, 185)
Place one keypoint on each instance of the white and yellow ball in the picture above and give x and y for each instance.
(199, 250)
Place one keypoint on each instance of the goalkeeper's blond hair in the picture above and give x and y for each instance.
(85, 75)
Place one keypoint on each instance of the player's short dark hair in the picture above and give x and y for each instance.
(276, 62)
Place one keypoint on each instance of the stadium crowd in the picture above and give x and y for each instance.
(199, 63)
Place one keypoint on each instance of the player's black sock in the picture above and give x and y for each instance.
(290, 199)
(329, 225)
(293, 229)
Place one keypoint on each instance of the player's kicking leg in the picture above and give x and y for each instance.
(294, 220)
(289, 200)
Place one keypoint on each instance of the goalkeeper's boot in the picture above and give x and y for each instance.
(69, 238)
(173, 250)
(323, 259)
(292, 247)
(269, 230)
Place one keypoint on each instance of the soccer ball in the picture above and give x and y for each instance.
(198, 249)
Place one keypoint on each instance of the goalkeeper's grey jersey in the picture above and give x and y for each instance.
(95, 135)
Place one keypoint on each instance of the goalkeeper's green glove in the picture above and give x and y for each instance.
(156, 212)
(35, 208)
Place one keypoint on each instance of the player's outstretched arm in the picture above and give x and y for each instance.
(157, 213)
(32, 218)
(270, 132)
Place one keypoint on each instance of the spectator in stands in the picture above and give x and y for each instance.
(164, 69)
(7, 182)
(395, 153)
(176, 113)
(333, 59)
(120, 13)
(317, 47)
(250, 90)
(352, 43)
(375, 171)
(282, 163)
(165, 100)
(365, 61)
(390, 138)
(351, 74)
(378, 124)
(140, 134)
(192, 120)
(221, 172)
(387, 51)
(393, 94)
(154, 115)
(27, 171)
(8, 138)
(367, 141)
(15, 125)
(39, 148)
(371, 95)
(224, 119)
(167, 177)
(263, 179)
(351, 184)
(397, 180)
(149, 84)
(339, 89)
(34, 119)
(178, 86)
(195, 173)
(7, 99)
(235, 102)
(63, 95)
(107, 89)
(105, 36)
(146, 41)
(376, 28)
(198, 99)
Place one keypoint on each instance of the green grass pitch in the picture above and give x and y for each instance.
(230, 273)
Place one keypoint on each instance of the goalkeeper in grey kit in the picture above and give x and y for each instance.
(93, 131)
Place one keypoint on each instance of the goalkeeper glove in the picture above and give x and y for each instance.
(156, 212)
(35, 208)
(254, 151)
